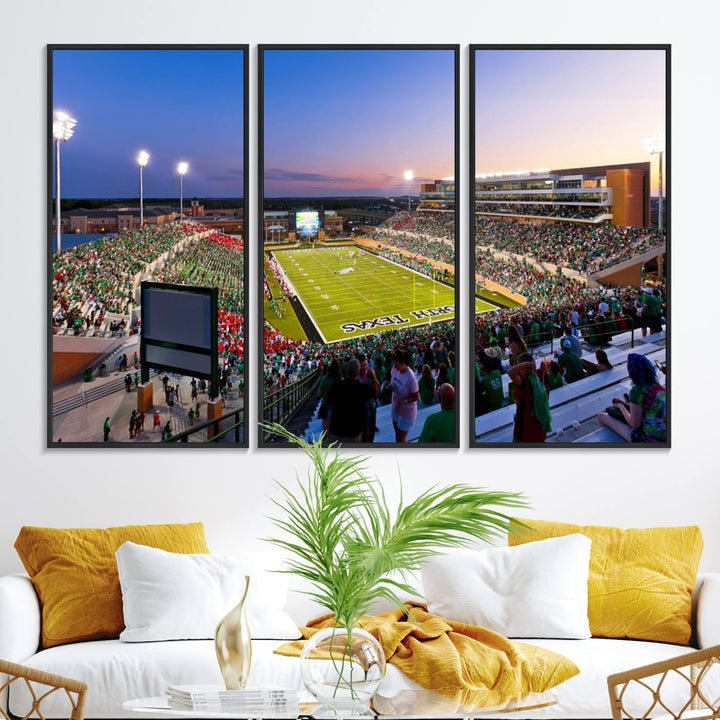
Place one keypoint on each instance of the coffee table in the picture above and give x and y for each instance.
(406, 705)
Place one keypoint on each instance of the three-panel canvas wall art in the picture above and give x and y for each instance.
(405, 295)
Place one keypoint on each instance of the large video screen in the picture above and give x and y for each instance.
(177, 316)
(178, 328)
(307, 222)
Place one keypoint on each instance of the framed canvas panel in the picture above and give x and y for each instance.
(570, 234)
(358, 165)
(147, 219)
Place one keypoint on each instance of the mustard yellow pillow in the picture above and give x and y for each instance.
(75, 574)
(641, 581)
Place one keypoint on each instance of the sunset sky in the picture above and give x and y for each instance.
(350, 122)
(567, 108)
(345, 122)
(178, 105)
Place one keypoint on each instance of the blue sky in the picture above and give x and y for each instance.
(350, 122)
(175, 104)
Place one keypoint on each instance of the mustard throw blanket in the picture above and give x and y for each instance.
(468, 665)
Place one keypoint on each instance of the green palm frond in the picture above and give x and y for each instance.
(346, 541)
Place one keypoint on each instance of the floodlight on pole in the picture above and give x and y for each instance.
(142, 161)
(63, 130)
(655, 146)
(409, 178)
(182, 168)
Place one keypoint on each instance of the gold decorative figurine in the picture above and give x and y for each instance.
(233, 646)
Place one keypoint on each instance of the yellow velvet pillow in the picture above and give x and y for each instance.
(75, 574)
(641, 581)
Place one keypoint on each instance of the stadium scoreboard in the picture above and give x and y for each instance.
(307, 222)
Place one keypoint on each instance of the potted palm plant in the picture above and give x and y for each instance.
(343, 537)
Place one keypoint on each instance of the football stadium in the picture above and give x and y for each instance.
(562, 257)
(331, 297)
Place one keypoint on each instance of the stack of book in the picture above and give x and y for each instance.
(258, 701)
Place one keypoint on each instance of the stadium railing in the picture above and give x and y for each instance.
(217, 431)
(280, 406)
(598, 334)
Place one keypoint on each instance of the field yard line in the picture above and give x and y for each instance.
(426, 277)
(417, 272)
(344, 282)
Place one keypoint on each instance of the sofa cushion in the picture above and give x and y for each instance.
(534, 590)
(75, 574)
(179, 596)
(641, 580)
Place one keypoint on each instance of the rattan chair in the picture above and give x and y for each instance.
(692, 679)
(41, 685)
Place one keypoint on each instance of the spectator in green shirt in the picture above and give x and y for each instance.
(651, 312)
(440, 426)
(426, 386)
(570, 364)
(490, 394)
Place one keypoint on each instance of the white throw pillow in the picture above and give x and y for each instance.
(536, 590)
(176, 596)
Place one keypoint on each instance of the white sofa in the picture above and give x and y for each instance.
(117, 671)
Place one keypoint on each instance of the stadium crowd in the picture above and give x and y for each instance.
(215, 260)
(287, 360)
(97, 278)
(558, 306)
(436, 225)
(580, 247)
(92, 280)
(428, 234)
(272, 268)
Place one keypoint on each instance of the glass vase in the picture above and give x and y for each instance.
(342, 670)
(233, 645)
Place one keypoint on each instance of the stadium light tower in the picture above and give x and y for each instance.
(182, 168)
(409, 178)
(142, 161)
(654, 146)
(63, 129)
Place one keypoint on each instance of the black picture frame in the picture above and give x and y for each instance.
(504, 427)
(265, 440)
(234, 428)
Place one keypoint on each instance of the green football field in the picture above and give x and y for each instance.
(349, 292)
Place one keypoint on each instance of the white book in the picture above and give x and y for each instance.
(232, 701)
(210, 704)
(256, 707)
(192, 694)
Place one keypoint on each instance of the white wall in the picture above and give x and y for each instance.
(228, 490)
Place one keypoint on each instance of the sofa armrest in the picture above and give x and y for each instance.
(19, 618)
(708, 610)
